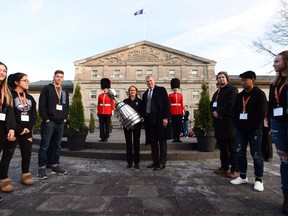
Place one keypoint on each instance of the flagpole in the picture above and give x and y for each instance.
(144, 24)
(145, 9)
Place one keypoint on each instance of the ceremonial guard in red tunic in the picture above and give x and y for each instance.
(105, 109)
(176, 109)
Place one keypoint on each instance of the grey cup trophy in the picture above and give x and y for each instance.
(128, 115)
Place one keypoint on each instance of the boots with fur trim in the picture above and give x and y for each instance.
(26, 178)
(6, 185)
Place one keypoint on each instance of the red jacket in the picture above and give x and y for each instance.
(176, 103)
(105, 104)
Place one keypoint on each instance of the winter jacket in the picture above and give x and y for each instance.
(47, 104)
(256, 110)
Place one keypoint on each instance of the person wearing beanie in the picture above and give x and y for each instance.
(249, 112)
(105, 108)
(176, 109)
(26, 116)
(278, 112)
(224, 129)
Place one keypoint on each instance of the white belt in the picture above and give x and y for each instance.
(175, 104)
(105, 104)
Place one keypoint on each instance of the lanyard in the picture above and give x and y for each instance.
(59, 93)
(218, 92)
(24, 101)
(244, 102)
(2, 99)
(276, 93)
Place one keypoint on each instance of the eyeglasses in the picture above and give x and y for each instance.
(27, 81)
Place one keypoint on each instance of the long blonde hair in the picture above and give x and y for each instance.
(5, 90)
(279, 76)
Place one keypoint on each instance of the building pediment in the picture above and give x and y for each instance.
(144, 52)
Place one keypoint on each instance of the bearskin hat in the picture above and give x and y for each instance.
(105, 83)
(175, 83)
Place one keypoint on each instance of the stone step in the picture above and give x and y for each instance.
(112, 154)
(115, 148)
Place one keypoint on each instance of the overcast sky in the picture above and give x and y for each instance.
(39, 36)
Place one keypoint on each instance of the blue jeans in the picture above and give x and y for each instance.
(280, 136)
(185, 128)
(255, 141)
(51, 136)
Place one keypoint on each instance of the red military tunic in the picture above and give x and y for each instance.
(176, 103)
(105, 104)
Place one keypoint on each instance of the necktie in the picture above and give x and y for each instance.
(148, 107)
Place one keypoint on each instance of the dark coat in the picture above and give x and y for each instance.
(283, 101)
(256, 109)
(224, 127)
(47, 104)
(160, 109)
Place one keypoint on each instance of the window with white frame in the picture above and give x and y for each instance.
(139, 73)
(117, 73)
(149, 72)
(93, 94)
(193, 73)
(171, 74)
(94, 73)
(195, 95)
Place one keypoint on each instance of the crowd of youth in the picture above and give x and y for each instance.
(239, 119)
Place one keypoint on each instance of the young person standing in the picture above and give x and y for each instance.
(7, 118)
(278, 112)
(53, 109)
(249, 111)
(221, 108)
(25, 114)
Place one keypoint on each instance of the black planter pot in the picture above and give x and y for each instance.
(76, 142)
(206, 143)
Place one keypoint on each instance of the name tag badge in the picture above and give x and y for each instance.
(214, 104)
(59, 107)
(243, 116)
(2, 116)
(278, 111)
(25, 118)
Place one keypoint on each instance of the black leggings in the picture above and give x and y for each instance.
(8, 151)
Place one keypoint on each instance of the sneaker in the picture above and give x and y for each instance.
(49, 166)
(222, 170)
(59, 171)
(239, 181)
(258, 186)
(42, 174)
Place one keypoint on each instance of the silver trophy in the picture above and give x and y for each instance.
(128, 115)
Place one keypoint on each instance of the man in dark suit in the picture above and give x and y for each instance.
(156, 117)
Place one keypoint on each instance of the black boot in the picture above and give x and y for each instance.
(285, 203)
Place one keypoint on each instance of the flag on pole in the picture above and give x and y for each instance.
(138, 12)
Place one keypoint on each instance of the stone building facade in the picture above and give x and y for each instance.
(129, 65)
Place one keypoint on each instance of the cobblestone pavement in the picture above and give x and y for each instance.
(107, 187)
